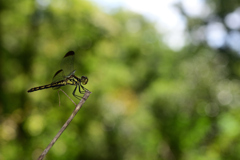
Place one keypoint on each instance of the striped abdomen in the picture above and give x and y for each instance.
(52, 85)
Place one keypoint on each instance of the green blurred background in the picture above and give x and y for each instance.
(148, 101)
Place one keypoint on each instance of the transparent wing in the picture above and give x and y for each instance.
(58, 76)
(67, 64)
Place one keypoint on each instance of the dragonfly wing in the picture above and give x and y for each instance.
(58, 76)
(67, 64)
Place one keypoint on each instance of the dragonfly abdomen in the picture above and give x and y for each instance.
(40, 88)
(52, 85)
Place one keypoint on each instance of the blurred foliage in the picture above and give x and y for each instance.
(147, 101)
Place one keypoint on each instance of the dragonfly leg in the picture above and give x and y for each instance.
(81, 92)
(83, 88)
(74, 91)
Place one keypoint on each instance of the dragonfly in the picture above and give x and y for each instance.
(66, 76)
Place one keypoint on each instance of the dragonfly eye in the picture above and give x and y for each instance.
(84, 80)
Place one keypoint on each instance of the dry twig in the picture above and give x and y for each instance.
(66, 95)
(77, 108)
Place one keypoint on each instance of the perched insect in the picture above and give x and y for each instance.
(65, 76)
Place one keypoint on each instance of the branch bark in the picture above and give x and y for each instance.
(77, 108)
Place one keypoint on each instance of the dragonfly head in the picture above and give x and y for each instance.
(84, 80)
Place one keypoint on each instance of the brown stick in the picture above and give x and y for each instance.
(77, 108)
(66, 95)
